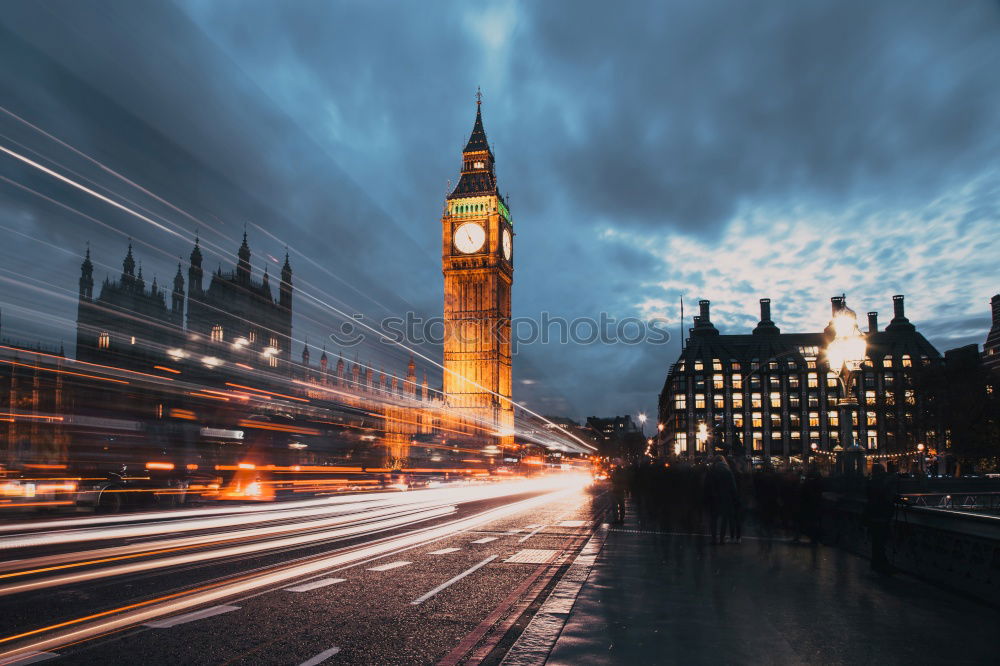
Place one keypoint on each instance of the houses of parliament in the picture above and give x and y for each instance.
(212, 353)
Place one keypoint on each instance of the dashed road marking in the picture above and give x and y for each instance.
(321, 657)
(447, 583)
(166, 623)
(315, 584)
(444, 551)
(573, 523)
(538, 528)
(485, 540)
(391, 565)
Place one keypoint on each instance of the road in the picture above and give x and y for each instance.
(423, 576)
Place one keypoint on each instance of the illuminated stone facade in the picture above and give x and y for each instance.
(477, 261)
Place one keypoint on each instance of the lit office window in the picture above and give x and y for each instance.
(103, 340)
(870, 397)
(813, 380)
(756, 420)
(699, 401)
(718, 401)
(833, 417)
(680, 401)
(755, 400)
(776, 400)
(718, 382)
(737, 401)
(887, 362)
(217, 333)
(813, 419)
(716, 365)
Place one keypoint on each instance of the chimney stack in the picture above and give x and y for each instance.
(899, 323)
(765, 326)
(702, 324)
(836, 304)
(765, 309)
(873, 322)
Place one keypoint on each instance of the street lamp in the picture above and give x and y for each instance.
(920, 450)
(845, 355)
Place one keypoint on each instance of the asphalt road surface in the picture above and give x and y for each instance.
(444, 575)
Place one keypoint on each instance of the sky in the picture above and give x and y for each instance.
(649, 151)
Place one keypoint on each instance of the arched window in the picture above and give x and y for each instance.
(217, 333)
(103, 340)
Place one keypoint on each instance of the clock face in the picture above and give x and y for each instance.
(469, 237)
(507, 244)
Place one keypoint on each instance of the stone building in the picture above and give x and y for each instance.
(773, 393)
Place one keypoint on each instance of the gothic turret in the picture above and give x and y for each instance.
(285, 296)
(195, 271)
(128, 266)
(87, 277)
(177, 297)
(243, 265)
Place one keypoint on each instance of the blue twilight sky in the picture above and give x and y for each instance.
(722, 150)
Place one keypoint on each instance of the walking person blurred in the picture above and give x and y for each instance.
(619, 487)
(878, 515)
(720, 499)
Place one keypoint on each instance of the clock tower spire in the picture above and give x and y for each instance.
(477, 262)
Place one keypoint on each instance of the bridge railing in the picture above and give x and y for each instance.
(951, 547)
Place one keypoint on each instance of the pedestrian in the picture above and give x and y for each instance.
(619, 487)
(720, 499)
(878, 515)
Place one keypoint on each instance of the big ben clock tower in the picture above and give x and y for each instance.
(477, 261)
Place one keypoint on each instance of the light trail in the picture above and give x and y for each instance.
(90, 626)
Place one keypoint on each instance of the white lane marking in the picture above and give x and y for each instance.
(444, 551)
(538, 528)
(28, 658)
(321, 657)
(532, 556)
(573, 523)
(485, 540)
(391, 565)
(314, 585)
(452, 581)
(531, 527)
(256, 585)
(166, 623)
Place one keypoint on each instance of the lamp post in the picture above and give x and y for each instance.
(920, 449)
(845, 355)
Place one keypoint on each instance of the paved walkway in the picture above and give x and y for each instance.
(661, 598)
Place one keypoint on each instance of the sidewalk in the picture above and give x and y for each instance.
(661, 598)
